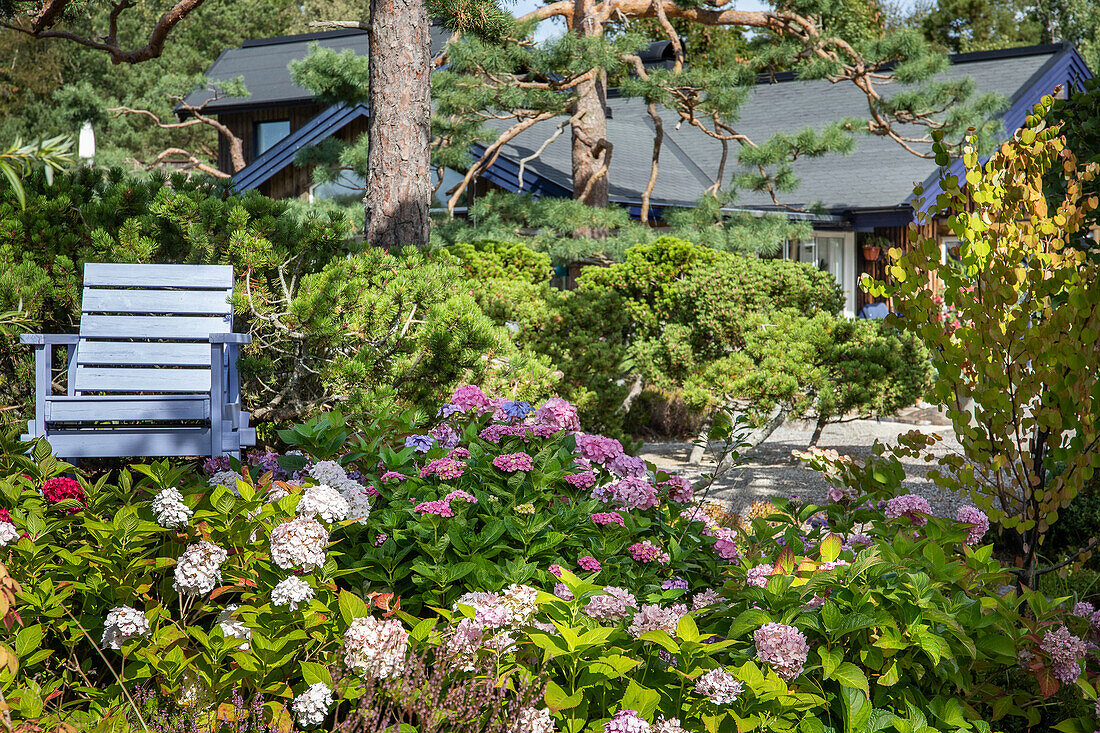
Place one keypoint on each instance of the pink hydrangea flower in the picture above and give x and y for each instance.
(725, 544)
(459, 454)
(627, 466)
(757, 577)
(597, 448)
(460, 494)
(380, 539)
(979, 522)
(646, 551)
(445, 468)
(555, 570)
(603, 518)
(1065, 650)
(439, 507)
(561, 590)
(1083, 609)
(469, 397)
(583, 480)
(705, 599)
(634, 493)
(539, 431)
(613, 605)
(782, 647)
(558, 414)
(836, 494)
(652, 617)
(679, 489)
(512, 462)
(626, 721)
(493, 433)
(392, 476)
(719, 685)
(60, 488)
(589, 563)
(913, 506)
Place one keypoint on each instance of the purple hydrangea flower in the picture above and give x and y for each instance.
(626, 721)
(912, 506)
(420, 443)
(675, 583)
(979, 522)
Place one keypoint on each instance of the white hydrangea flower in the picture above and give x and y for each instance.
(325, 502)
(299, 543)
(234, 628)
(276, 492)
(533, 720)
(170, 510)
(374, 647)
(358, 500)
(228, 479)
(312, 706)
(8, 534)
(122, 624)
(520, 600)
(290, 592)
(198, 569)
(328, 472)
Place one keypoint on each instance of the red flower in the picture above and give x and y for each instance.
(61, 488)
(5, 516)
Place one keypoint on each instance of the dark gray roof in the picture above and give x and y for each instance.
(264, 63)
(879, 173)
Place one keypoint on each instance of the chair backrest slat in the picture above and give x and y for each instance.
(146, 328)
(143, 353)
(190, 277)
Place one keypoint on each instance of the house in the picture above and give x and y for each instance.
(850, 200)
(269, 121)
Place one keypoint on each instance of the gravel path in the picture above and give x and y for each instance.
(772, 471)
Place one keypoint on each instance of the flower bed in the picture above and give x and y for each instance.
(498, 542)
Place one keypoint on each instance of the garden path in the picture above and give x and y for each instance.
(770, 470)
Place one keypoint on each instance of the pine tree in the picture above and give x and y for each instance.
(837, 40)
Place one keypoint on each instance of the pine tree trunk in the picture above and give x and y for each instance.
(398, 166)
(591, 151)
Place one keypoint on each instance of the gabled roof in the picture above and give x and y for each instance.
(878, 175)
(264, 66)
(281, 154)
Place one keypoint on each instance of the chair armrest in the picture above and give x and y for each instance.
(230, 338)
(49, 339)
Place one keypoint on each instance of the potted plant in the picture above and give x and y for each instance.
(872, 247)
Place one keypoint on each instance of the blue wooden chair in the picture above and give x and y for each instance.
(153, 371)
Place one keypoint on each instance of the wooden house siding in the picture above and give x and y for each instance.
(294, 181)
(242, 124)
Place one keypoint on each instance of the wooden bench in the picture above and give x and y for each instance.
(153, 371)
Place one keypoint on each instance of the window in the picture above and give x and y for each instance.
(266, 134)
(833, 252)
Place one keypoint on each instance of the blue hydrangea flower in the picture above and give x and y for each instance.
(517, 409)
(420, 443)
(447, 410)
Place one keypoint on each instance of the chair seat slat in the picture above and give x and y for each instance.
(152, 327)
(142, 302)
(102, 274)
(161, 408)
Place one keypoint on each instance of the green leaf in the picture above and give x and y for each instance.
(830, 659)
(830, 548)
(687, 629)
(850, 675)
(857, 710)
(312, 673)
(352, 607)
(642, 699)
(557, 700)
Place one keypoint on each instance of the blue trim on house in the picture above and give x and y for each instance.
(1066, 68)
(504, 172)
(281, 154)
